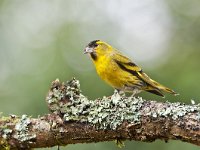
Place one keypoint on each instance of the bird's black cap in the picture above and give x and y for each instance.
(93, 43)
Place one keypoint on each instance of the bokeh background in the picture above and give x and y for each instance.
(44, 40)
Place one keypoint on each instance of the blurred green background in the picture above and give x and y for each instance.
(44, 40)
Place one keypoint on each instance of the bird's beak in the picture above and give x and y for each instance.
(88, 50)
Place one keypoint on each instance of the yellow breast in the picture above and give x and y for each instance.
(110, 72)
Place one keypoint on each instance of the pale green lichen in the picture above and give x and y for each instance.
(6, 133)
(175, 110)
(104, 113)
(192, 102)
(5, 130)
(110, 112)
(22, 129)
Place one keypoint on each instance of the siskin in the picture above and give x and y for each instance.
(120, 72)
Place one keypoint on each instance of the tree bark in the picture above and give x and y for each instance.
(75, 119)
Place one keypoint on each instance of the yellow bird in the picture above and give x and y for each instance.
(120, 72)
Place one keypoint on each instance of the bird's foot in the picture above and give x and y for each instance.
(120, 143)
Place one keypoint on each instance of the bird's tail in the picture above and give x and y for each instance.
(157, 88)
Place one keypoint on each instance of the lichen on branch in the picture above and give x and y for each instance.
(106, 113)
(67, 100)
(73, 118)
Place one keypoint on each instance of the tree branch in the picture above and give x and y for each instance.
(75, 119)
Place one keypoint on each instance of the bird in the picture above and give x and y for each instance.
(120, 72)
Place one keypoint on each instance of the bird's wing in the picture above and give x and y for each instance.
(127, 65)
(148, 80)
(125, 62)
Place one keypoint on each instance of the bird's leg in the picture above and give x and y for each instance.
(120, 92)
(135, 91)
